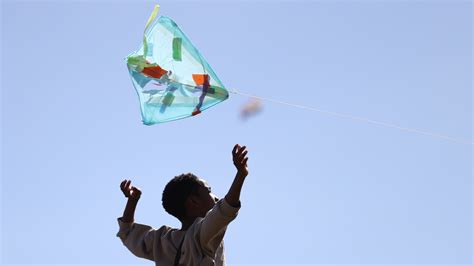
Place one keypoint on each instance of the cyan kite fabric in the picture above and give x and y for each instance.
(171, 77)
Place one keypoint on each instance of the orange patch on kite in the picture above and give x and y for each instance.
(196, 112)
(154, 71)
(201, 79)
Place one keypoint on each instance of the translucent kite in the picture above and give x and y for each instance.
(171, 77)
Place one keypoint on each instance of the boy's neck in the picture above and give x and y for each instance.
(186, 223)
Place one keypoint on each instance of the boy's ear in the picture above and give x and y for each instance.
(193, 200)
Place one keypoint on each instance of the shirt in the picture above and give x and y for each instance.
(203, 243)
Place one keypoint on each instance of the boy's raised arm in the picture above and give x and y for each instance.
(214, 224)
(138, 238)
(133, 194)
(239, 156)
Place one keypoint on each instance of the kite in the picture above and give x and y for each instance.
(172, 79)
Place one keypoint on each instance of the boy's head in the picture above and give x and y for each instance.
(187, 196)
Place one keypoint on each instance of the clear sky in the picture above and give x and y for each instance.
(321, 190)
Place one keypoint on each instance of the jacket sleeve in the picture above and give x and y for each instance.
(140, 239)
(214, 224)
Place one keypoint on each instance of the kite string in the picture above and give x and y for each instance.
(356, 118)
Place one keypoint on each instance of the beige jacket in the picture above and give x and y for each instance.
(203, 243)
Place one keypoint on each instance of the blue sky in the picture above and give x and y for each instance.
(321, 190)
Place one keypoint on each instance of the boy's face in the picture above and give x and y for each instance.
(205, 199)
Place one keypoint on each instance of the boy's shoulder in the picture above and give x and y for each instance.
(167, 230)
(169, 233)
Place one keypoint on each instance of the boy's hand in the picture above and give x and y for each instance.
(129, 191)
(239, 156)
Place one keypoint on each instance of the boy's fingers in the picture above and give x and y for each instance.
(234, 150)
(123, 185)
(240, 151)
(245, 161)
(241, 157)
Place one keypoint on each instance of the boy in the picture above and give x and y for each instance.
(203, 218)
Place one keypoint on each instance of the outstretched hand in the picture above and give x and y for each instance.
(239, 156)
(130, 191)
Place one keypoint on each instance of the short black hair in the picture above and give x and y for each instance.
(177, 191)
